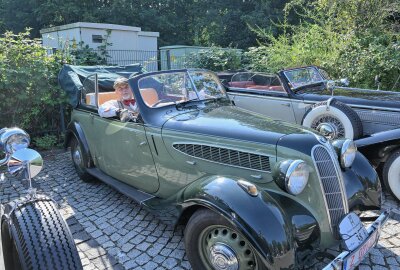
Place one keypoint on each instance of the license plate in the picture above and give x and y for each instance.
(356, 256)
(352, 231)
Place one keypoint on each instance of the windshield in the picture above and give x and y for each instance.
(164, 89)
(303, 76)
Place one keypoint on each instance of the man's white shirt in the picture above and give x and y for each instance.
(109, 108)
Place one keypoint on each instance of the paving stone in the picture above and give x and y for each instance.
(143, 246)
(169, 263)
(137, 239)
(142, 259)
(150, 266)
(392, 261)
(127, 247)
(113, 232)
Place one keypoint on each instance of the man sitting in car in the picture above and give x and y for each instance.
(125, 104)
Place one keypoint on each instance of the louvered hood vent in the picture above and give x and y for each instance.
(226, 156)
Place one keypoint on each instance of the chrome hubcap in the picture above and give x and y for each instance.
(222, 248)
(329, 124)
(222, 257)
(77, 157)
(328, 130)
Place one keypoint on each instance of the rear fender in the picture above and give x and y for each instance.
(75, 130)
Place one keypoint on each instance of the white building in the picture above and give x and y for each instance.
(128, 44)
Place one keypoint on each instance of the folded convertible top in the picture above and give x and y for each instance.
(72, 79)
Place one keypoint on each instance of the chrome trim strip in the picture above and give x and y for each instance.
(226, 164)
(306, 102)
(361, 106)
(261, 91)
(260, 96)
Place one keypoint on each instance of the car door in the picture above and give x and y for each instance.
(261, 93)
(123, 152)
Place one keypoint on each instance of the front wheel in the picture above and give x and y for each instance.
(391, 174)
(35, 236)
(213, 243)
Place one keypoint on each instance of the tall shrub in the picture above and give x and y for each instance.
(215, 59)
(356, 39)
(29, 93)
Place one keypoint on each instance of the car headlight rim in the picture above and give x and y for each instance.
(348, 153)
(13, 139)
(290, 185)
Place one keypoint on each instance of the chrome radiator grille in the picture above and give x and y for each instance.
(226, 156)
(331, 185)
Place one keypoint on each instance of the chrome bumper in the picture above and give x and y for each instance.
(338, 262)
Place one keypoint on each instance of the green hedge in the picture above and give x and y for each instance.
(29, 93)
(356, 39)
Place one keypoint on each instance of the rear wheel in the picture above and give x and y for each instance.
(78, 161)
(35, 236)
(213, 243)
(391, 174)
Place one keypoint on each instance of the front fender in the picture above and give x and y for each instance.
(378, 146)
(261, 219)
(363, 188)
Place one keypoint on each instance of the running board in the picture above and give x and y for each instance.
(131, 192)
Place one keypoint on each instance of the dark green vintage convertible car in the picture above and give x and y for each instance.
(252, 192)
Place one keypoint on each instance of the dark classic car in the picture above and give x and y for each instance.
(34, 235)
(305, 96)
(252, 192)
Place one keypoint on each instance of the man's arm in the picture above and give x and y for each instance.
(108, 109)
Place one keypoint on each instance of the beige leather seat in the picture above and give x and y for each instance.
(103, 97)
(149, 96)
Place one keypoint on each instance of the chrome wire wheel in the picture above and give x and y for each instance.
(222, 248)
(331, 121)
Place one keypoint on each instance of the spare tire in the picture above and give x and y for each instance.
(35, 236)
(337, 116)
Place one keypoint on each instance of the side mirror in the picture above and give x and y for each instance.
(26, 161)
(378, 81)
(330, 85)
(345, 82)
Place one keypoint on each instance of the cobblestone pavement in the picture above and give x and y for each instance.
(113, 232)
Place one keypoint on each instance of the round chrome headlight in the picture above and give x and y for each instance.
(13, 139)
(292, 175)
(347, 153)
(296, 177)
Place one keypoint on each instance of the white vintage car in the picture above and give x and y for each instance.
(305, 96)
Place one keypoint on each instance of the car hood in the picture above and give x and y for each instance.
(232, 122)
(360, 96)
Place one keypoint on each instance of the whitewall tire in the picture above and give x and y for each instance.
(343, 120)
(391, 174)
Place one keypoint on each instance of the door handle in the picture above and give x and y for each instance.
(190, 162)
(142, 143)
(91, 115)
(285, 104)
(256, 176)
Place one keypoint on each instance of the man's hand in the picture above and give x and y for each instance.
(126, 115)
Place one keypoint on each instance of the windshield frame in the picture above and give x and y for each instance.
(311, 83)
(188, 78)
